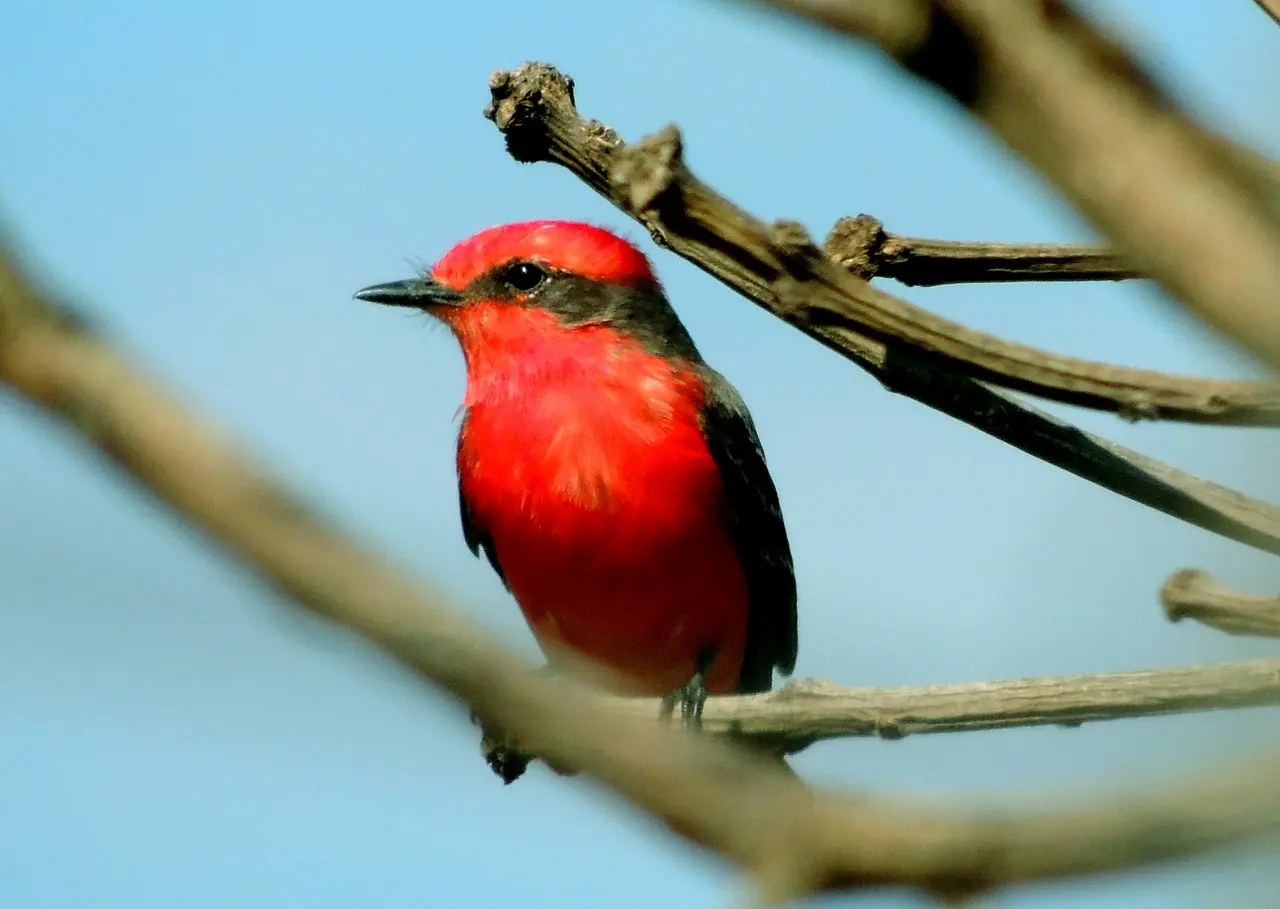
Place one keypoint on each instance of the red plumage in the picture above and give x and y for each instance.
(567, 246)
(592, 463)
(583, 457)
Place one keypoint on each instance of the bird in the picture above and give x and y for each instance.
(614, 481)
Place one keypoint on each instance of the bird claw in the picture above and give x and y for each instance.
(691, 698)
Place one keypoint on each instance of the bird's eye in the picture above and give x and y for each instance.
(523, 276)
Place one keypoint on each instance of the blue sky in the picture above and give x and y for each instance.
(215, 180)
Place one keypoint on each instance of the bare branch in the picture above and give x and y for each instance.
(794, 841)
(534, 108)
(863, 246)
(1192, 594)
(1271, 8)
(810, 710)
(1195, 212)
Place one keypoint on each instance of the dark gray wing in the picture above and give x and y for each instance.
(755, 520)
(476, 536)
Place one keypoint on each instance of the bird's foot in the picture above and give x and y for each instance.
(691, 698)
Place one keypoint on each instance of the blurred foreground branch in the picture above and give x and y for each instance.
(534, 108)
(1271, 8)
(794, 841)
(1192, 210)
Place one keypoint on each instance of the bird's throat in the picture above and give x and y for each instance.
(564, 422)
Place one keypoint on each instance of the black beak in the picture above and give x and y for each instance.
(419, 293)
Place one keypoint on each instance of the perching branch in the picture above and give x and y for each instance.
(1192, 594)
(809, 710)
(1193, 211)
(863, 246)
(793, 841)
(534, 108)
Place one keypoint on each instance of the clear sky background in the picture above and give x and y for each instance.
(215, 179)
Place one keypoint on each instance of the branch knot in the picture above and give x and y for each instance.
(646, 173)
(857, 244)
(522, 100)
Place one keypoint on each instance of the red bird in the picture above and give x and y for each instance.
(614, 480)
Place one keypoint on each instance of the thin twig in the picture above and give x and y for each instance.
(534, 108)
(1193, 211)
(794, 841)
(1192, 594)
(862, 245)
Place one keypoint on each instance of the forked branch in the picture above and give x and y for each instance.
(776, 269)
(651, 182)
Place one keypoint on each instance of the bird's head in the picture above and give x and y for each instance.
(509, 284)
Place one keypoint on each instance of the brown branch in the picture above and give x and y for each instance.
(1192, 594)
(794, 841)
(652, 183)
(863, 246)
(1271, 8)
(534, 108)
(810, 710)
(1195, 212)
